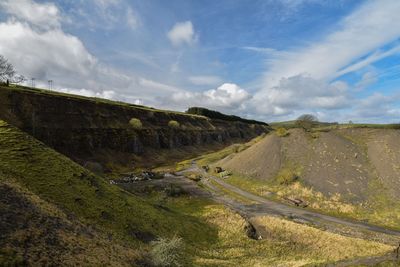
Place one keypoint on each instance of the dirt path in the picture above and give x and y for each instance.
(264, 206)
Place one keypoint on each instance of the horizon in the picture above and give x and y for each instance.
(269, 60)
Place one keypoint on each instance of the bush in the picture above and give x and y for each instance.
(136, 123)
(282, 132)
(287, 176)
(173, 124)
(167, 252)
(194, 177)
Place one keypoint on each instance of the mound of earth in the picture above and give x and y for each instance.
(261, 160)
(343, 161)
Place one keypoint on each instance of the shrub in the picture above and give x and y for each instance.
(282, 132)
(167, 252)
(194, 177)
(136, 123)
(173, 124)
(287, 176)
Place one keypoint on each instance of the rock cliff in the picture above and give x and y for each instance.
(79, 126)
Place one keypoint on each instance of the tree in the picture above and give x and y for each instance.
(306, 121)
(8, 73)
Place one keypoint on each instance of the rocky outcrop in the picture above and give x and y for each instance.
(77, 125)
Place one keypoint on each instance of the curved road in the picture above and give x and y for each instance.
(264, 206)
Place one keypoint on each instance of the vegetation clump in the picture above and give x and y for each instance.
(218, 115)
(287, 176)
(174, 124)
(136, 123)
(282, 132)
(167, 252)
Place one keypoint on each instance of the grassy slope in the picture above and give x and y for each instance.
(58, 180)
(288, 244)
(35, 232)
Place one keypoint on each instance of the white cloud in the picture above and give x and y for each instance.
(264, 50)
(43, 54)
(45, 15)
(378, 108)
(302, 93)
(104, 4)
(301, 79)
(107, 14)
(108, 94)
(181, 33)
(53, 54)
(228, 96)
(205, 80)
(370, 27)
(367, 79)
(132, 19)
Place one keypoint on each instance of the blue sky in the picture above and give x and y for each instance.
(262, 59)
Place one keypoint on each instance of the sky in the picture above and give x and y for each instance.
(270, 60)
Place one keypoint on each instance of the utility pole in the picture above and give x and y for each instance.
(50, 84)
(33, 82)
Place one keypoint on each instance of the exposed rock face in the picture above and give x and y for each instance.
(81, 126)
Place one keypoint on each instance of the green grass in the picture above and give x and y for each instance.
(58, 180)
(231, 194)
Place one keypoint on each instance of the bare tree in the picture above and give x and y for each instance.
(8, 73)
(306, 121)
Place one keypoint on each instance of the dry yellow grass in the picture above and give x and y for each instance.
(289, 243)
(316, 199)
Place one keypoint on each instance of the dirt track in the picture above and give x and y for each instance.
(264, 206)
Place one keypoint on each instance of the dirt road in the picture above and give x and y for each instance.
(263, 206)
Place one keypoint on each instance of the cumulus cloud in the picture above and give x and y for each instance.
(45, 15)
(205, 80)
(228, 96)
(108, 94)
(51, 53)
(378, 107)
(303, 93)
(43, 54)
(182, 33)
